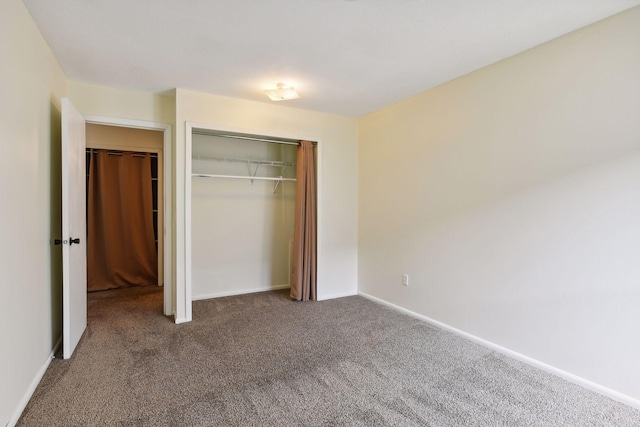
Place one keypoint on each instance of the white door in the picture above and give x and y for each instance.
(74, 228)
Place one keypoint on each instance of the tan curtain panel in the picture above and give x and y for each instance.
(303, 280)
(121, 248)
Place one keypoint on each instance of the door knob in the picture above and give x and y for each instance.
(64, 242)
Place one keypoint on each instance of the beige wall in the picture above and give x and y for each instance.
(32, 84)
(510, 196)
(122, 138)
(93, 100)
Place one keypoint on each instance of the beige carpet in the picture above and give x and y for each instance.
(262, 359)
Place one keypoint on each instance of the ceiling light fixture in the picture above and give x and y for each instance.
(283, 92)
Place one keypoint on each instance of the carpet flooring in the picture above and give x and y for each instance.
(264, 360)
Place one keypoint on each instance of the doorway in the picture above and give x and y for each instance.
(113, 141)
(164, 153)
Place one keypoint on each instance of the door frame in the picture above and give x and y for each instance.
(167, 157)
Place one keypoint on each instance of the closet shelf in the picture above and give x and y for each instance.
(282, 165)
(262, 178)
(277, 179)
(248, 161)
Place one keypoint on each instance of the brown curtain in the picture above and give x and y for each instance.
(303, 280)
(121, 248)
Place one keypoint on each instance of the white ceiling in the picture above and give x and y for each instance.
(347, 57)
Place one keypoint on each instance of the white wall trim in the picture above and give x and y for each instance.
(242, 292)
(34, 384)
(187, 297)
(117, 147)
(339, 295)
(167, 158)
(615, 395)
(127, 123)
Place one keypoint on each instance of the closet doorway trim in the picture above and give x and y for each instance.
(184, 289)
(167, 160)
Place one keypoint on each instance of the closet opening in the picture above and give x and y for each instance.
(125, 214)
(242, 201)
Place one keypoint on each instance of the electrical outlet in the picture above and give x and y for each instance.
(405, 279)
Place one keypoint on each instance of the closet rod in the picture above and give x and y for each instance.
(260, 178)
(248, 138)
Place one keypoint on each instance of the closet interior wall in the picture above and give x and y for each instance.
(242, 231)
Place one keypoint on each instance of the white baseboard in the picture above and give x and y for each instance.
(264, 289)
(240, 292)
(334, 296)
(615, 395)
(34, 384)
